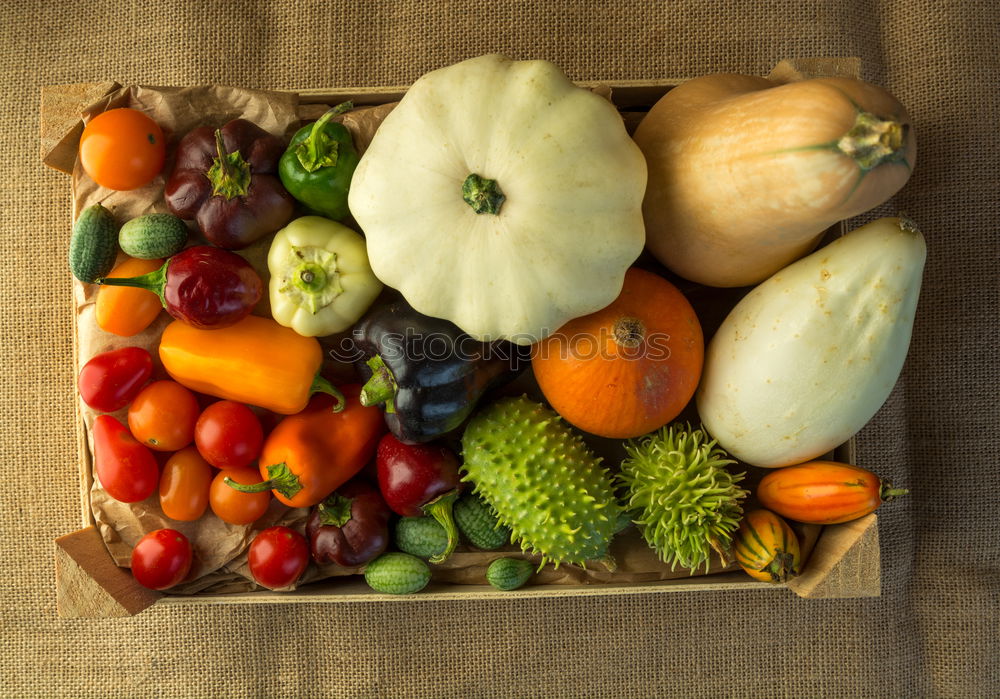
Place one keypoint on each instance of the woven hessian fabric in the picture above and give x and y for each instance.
(933, 632)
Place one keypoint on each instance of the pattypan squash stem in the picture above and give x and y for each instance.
(381, 387)
(319, 150)
(483, 195)
(230, 173)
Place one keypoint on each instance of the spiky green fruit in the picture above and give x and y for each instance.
(681, 496)
(541, 480)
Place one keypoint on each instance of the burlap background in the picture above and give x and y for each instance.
(934, 631)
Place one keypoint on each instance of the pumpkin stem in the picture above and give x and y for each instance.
(483, 195)
(873, 141)
(629, 332)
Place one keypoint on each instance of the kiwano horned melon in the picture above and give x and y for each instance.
(542, 481)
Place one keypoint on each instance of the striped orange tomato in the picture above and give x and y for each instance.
(767, 548)
(824, 492)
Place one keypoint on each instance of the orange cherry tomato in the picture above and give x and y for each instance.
(122, 149)
(229, 504)
(127, 310)
(184, 485)
(163, 416)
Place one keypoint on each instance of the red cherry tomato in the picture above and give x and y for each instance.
(122, 149)
(228, 435)
(111, 380)
(126, 470)
(229, 504)
(163, 416)
(184, 485)
(161, 559)
(278, 557)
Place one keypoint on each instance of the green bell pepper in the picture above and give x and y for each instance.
(318, 165)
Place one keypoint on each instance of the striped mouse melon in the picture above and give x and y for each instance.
(810, 355)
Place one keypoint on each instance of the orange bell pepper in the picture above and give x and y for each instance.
(124, 310)
(312, 453)
(255, 361)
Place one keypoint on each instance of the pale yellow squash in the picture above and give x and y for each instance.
(746, 174)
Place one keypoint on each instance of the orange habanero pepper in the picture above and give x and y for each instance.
(255, 361)
(311, 454)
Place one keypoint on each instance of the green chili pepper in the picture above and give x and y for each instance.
(318, 165)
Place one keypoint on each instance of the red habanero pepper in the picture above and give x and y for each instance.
(312, 453)
(420, 479)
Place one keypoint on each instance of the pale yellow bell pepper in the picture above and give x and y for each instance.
(321, 281)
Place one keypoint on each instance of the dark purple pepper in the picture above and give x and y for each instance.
(350, 527)
(226, 180)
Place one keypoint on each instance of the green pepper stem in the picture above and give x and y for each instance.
(153, 281)
(281, 479)
(318, 151)
(440, 508)
(381, 387)
(321, 385)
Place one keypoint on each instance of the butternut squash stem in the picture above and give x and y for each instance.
(870, 142)
(873, 141)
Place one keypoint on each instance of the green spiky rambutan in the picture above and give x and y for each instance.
(680, 495)
(542, 481)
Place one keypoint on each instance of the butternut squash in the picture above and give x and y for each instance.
(746, 174)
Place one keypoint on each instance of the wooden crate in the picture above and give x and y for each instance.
(844, 562)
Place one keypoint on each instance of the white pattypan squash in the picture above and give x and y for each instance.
(500, 196)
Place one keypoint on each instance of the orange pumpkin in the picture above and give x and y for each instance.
(824, 492)
(767, 548)
(627, 369)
